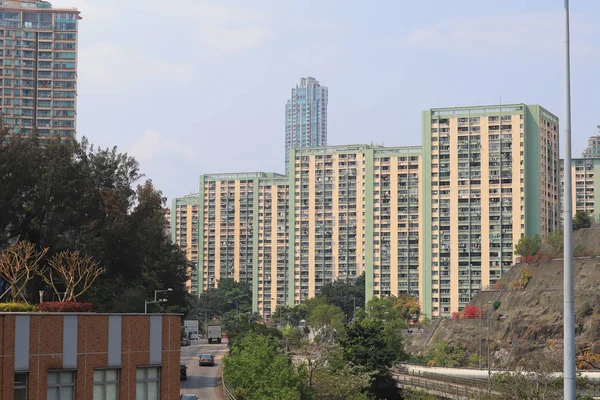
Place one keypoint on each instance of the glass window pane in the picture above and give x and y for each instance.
(152, 373)
(98, 376)
(140, 373)
(152, 390)
(66, 393)
(112, 391)
(52, 394)
(66, 377)
(140, 391)
(52, 378)
(20, 394)
(111, 375)
(99, 392)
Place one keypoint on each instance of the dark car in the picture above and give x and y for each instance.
(182, 372)
(185, 342)
(207, 359)
(188, 397)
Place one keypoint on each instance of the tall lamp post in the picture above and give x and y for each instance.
(161, 291)
(152, 302)
(569, 298)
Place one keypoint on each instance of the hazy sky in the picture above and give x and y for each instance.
(199, 86)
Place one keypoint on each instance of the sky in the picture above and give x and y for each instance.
(191, 87)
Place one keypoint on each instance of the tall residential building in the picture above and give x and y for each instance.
(593, 148)
(38, 55)
(243, 234)
(585, 175)
(306, 117)
(184, 219)
(355, 209)
(494, 177)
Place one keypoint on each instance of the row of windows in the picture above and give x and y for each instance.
(61, 384)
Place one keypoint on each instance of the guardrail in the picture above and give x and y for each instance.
(443, 388)
(226, 389)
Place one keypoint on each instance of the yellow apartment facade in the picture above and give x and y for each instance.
(184, 220)
(494, 178)
(585, 175)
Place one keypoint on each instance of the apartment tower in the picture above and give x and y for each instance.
(38, 52)
(355, 209)
(306, 117)
(593, 148)
(585, 175)
(492, 177)
(184, 220)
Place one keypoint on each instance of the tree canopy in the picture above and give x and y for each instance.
(76, 197)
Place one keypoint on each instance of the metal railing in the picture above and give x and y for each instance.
(455, 392)
(226, 390)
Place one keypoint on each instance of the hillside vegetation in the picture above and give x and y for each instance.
(529, 320)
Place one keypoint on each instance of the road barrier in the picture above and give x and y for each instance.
(226, 390)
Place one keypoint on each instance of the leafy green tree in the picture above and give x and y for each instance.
(582, 219)
(365, 346)
(260, 370)
(447, 355)
(245, 327)
(237, 294)
(345, 295)
(73, 196)
(527, 247)
(285, 315)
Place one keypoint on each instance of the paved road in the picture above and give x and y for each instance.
(202, 381)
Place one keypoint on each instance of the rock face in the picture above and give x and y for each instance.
(529, 320)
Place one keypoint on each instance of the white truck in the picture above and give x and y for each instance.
(214, 334)
(191, 326)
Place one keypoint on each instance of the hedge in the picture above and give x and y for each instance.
(65, 306)
(17, 307)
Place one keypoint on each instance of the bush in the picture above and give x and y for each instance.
(472, 312)
(496, 304)
(65, 306)
(455, 315)
(17, 307)
(499, 285)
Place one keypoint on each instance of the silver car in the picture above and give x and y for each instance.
(188, 397)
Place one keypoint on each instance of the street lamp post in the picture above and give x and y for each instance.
(160, 291)
(152, 302)
(568, 297)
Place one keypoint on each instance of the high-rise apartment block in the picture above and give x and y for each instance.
(585, 176)
(593, 148)
(494, 177)
(439, 222)
(38, 53)
(306, 117)
(184, 219)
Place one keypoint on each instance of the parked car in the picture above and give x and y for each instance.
(185, 342)
(182, 372)
(188, 397)
(207, 359)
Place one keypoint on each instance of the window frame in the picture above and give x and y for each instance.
(22, 386)
(60, 384)
(104, 382)
(146, 380)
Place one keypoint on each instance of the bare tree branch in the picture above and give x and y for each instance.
(18, 265)
(74, 270)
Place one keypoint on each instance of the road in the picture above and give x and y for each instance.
(202, 381)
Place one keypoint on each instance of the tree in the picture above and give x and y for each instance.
(408, 306)
(582, 219)
(528, 247)
(365, 346)
(73, 196)
(257, 370)
(472, 312)
(18, 265)
(74, 271)
(444, 354)
(345, 295)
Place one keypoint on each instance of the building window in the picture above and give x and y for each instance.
(61, 385)
(147, 383)
(106, 384)
(20, 386)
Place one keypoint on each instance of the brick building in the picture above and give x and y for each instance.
(89, 356)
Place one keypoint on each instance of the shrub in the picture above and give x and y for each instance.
(17, 307)
(472, 312)
(496, 304)
(455, 315)
(499, 285)
(65, 306)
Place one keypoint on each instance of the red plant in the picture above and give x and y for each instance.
(472, 312)
(65, 306)
(455, 315)
(499, 285)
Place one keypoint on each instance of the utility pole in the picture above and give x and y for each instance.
(480, 349)
(489, 359)
(569, 298)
